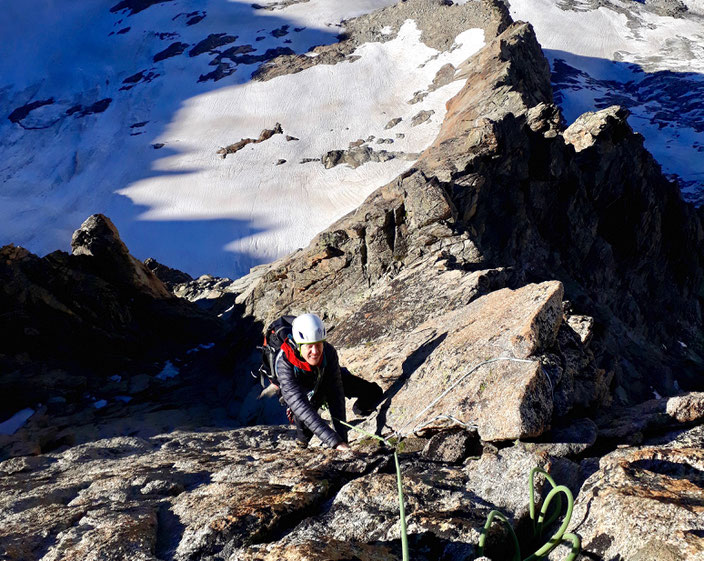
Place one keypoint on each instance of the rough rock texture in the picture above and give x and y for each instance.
(643, 503)
(686, 408)
(500, 477)
(451, 446)
(252, 494)
(506, 399)
(99, 239)
(228, 495)
(266, 134)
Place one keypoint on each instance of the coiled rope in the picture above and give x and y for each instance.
(538, 525)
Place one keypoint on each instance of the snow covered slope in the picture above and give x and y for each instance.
(647, 56)
(148, 112)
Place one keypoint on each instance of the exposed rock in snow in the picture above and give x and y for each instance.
(266, 134)
(393, 122)
(421, 117)
(357, 156)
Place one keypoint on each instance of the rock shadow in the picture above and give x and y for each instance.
(169, 532)
(666, 107)
(409, 366)
(672, 470)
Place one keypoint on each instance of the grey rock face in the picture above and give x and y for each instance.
(411, 269)
(569, 439)
(500, 477)
(227, 495)
(643, 503)
(630, 424)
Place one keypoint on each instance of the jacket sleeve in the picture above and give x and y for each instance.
(335, 394)
(296, 398)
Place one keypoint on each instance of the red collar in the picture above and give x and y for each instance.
(293, 358)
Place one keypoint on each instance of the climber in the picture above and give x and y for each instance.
(308, 374)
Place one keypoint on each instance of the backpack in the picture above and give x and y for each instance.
(274, 336)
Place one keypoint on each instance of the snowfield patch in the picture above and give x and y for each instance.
(175, 200)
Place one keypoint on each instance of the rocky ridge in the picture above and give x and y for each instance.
(94, 326)
(506, 188)
(547, 271)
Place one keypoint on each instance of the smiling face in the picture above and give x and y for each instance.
(312, 353)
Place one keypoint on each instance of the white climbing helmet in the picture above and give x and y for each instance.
(308, 329)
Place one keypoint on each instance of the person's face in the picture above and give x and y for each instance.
(313, 353)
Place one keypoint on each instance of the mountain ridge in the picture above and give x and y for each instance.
(540, 268)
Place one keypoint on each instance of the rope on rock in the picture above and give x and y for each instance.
(400, 434)
(449, 418)
(538, 525)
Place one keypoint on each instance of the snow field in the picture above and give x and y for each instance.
(182, 203)
(326, 107)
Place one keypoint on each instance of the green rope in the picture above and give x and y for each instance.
(538, 530)
(490, 519)
(541, 523)
(399, 483)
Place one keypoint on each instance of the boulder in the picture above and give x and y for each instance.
(686, 408)
(451, 446)
(506, 399)
(642, 503)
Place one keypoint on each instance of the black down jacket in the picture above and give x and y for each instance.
(297, 379)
